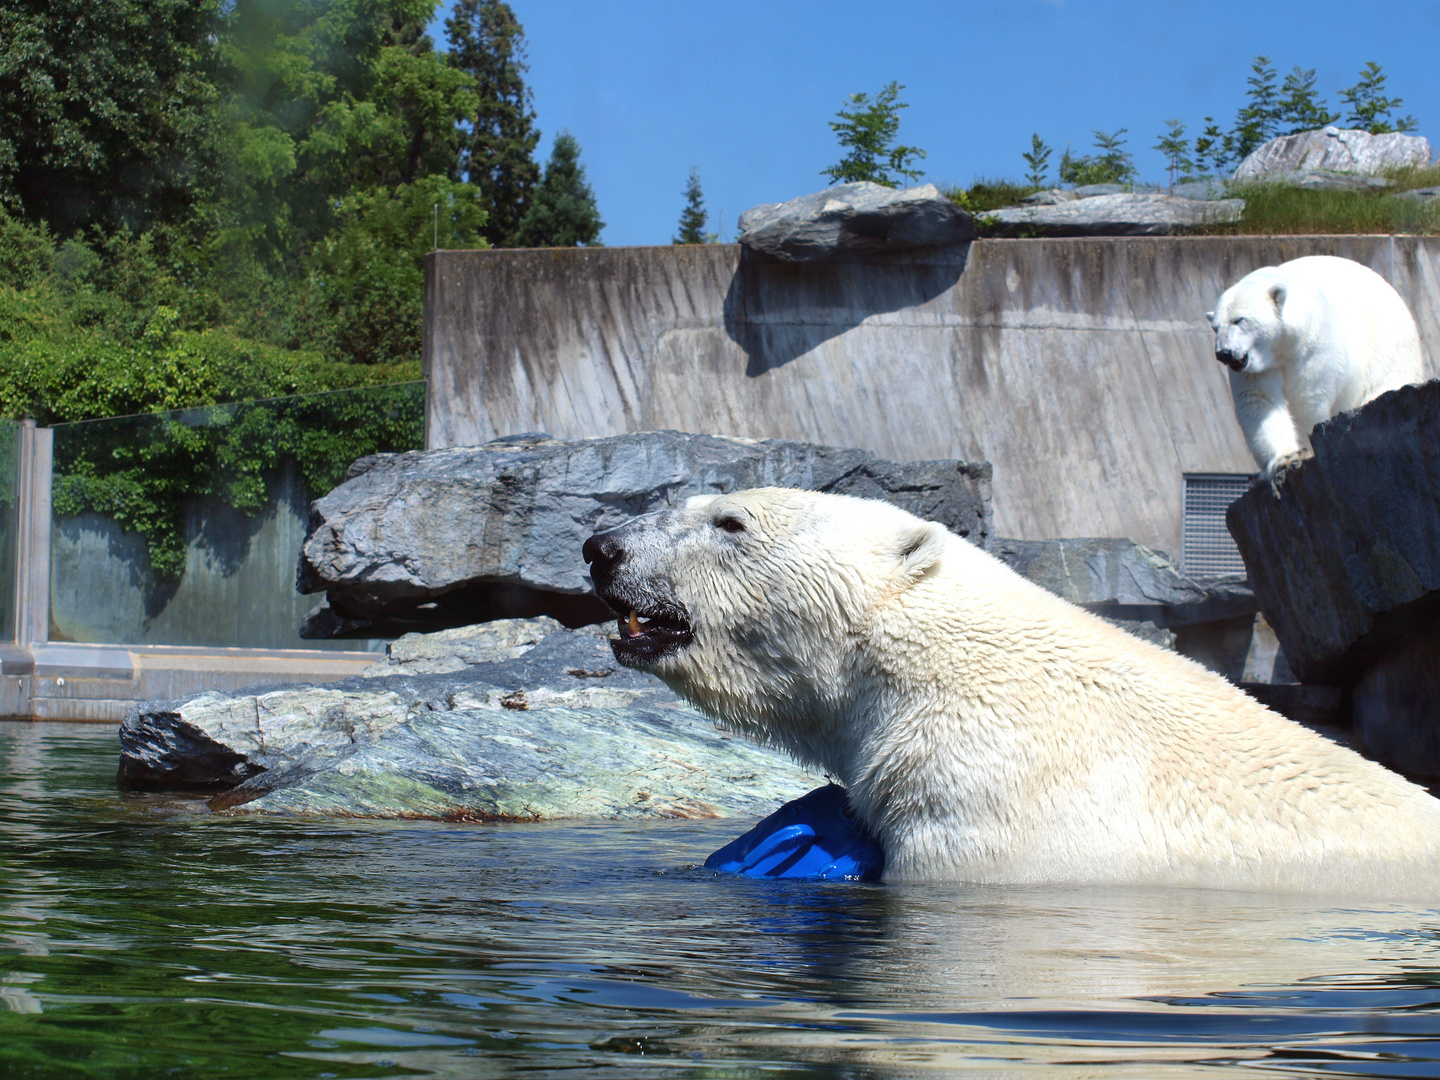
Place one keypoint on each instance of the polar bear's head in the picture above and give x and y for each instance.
(1248, 321)
(753, 604)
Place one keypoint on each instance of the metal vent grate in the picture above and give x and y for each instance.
(1205, 545)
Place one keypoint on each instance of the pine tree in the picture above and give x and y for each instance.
(562, 208)
(1039, 161)
(868, 133)
(693, 217)
(488, 43)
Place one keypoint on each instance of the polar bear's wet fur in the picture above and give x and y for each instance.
(1306, 340)
(987, 730)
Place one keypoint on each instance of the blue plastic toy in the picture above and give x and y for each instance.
(813, 837)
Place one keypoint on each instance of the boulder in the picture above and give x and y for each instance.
(1344, 554)
(1113, 215)
(520, 722)
(1335, 150)
(430, 539)
(852, 220)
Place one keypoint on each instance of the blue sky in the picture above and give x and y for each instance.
(745, 89)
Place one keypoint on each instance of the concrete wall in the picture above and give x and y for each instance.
(1082, 369)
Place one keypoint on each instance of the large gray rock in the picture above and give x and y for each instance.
(430, 539)
(1113, 215)
(508, 730)
(854, 219)
(1345, 560)
(1335, 150)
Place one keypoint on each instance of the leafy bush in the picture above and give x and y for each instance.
(984, 195)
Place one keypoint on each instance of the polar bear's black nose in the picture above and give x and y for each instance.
(603, 551)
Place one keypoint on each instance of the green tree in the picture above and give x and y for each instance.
(562, 211)
(1038, 159)
(867, 131)
(330, 96)
(368, 272)
(1176, 148)
(693, 217)
(1300, 107)
(1370, 108)
(488, 43)
(107, 114)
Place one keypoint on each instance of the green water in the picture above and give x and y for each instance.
(145, 938)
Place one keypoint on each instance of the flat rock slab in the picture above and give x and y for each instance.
(854, 220)
(1327, 180)
(1113, 215)
(430, 539)
(1335, 150)
(557, 731)
(1345, 562)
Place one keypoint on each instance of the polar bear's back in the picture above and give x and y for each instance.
(1348, 310)
(1143, 765)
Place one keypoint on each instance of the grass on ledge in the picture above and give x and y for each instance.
(1277, 209)
(1280, 210)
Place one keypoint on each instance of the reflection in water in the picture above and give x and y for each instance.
(140, 936)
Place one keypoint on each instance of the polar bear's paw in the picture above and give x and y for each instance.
(1280, 467)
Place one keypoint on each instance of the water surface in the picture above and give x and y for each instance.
(142, 937)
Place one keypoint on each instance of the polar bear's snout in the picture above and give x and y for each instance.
(1234, 361)
(653, 623)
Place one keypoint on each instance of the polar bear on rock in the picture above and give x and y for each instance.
(1306, 340)
(987, 730)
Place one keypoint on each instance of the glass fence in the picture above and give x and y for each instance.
(184, 528)
(9, 524)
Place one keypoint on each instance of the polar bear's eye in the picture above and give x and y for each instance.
(730, 524)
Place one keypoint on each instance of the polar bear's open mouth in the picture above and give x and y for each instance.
(649, 637)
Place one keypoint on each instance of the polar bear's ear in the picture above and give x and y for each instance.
(1277, 295)
(919, 547)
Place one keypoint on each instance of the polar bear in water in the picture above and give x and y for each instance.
(1306, 340)
(988, 731)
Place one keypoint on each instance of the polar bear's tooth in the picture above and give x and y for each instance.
(634, 623)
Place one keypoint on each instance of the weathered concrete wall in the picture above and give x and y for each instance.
(1081, 369)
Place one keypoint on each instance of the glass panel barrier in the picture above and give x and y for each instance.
(9, 524)
(184, 528)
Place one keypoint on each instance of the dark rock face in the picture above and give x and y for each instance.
(1395, 707)
(1345, 562)
(433, 539)
(1126, 581)
(518, 720)
(854, 219)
